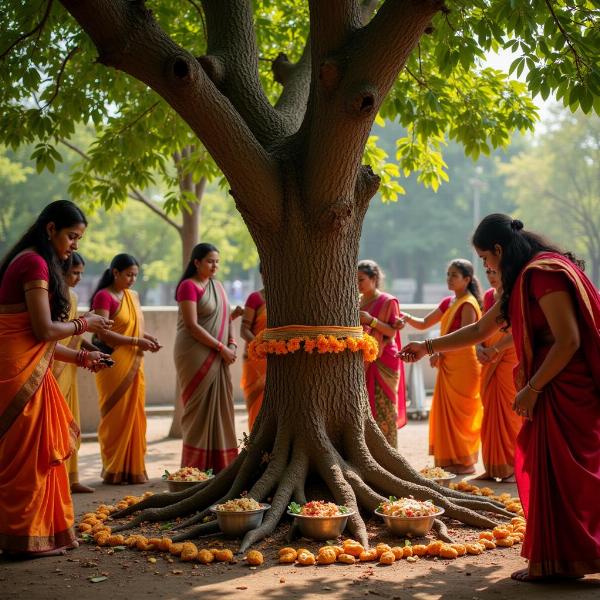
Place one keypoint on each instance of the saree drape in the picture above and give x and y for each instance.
(456, 410)
(254, 372)
(66, 377)
(500, 425)
(121, 394)
(207, 421)
(37, 436)
(557, 462)
(385, 376)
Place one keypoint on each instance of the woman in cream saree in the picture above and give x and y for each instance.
(203, 351)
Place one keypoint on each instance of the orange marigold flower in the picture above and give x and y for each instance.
(322, 344)
(352, 344)
(309, 345)
(281, 347)
(293, 345)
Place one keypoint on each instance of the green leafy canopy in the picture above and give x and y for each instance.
(50, 84)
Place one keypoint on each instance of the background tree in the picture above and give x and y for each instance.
(295, 172)
(556, 184)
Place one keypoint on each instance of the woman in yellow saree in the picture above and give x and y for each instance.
(66, 373)
(204, 349)
(456, 410)
(122, 392)
(254, 372)
(37, 430)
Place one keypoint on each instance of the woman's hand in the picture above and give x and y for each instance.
(365, 317)
(238, 311)
(228, 355)
(146, 345)
(400, 323)
(96, 361)
(434, 360)
(525, 402)
(156, 344)
(490, 355)
(413, 352)
(97, 323)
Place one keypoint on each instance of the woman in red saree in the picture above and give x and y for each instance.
(553, 310)
(500, 425)
(456, 411)
(122, 391)
(385, 376)
(254, 371)
(204, 349)
(37, 430)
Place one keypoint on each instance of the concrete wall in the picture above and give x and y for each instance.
(159, 369)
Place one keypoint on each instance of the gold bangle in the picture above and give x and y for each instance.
(373, 323)
(534, 390)
(134, 341)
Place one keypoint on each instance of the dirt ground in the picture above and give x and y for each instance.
(130, 575)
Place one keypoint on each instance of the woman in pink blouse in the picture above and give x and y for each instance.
(204, 349)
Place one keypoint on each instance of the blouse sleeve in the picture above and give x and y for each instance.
(254, 301)
(444, 304)
(394, 312)
(103, 301)
(546, 282)
(488, 299)
(188, 290)
(34, 271)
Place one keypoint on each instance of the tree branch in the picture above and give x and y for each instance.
(29, 34)
(351, 85)
(61, 71)
(232, 54)
(128, 38)
(133, 193)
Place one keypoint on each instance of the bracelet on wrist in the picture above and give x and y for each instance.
(82, 357)
(373, 323)
(534, 390)
(429, 346)
(135, 341)
(219, 346)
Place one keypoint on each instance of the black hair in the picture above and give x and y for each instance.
(63, 213)
(466, 270)
(75, 260)
(518, 245)
(198, 253)
(120, 262)
(373, 271)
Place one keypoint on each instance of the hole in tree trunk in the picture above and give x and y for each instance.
(367, 104)
(181, 68)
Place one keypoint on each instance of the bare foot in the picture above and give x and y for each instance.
(460, 469)
(79, 488)
(524, 576)
(485, 476)
(30, 555)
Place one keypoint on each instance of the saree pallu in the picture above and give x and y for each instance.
(254, 372)
(121, 394)
(37, 436)
(207, 421)
(456, 410)
(500, 425)
(385, 376)
(66, 377)
(557, 462)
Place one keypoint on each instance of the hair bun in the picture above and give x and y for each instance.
(516, 225)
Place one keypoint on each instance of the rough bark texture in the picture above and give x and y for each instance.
(295, 173)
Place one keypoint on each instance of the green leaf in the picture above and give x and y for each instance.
(294, 508)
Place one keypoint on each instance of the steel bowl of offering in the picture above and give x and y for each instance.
(438, 475)
(237, 517)
(185, 478)
(404, 516)
(320, 520)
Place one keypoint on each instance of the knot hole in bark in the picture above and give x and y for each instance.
(362, 103)
(179, 67)
(330, 74)
(336, 216)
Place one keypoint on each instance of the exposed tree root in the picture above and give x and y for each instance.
(359, 473)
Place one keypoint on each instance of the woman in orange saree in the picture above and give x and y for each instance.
(500, 425)
(385, 376)
(254, 371)
(553, 310)
(66, 373)
(37, 430)
(204, 349)
(456, 411)
(122, 392)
